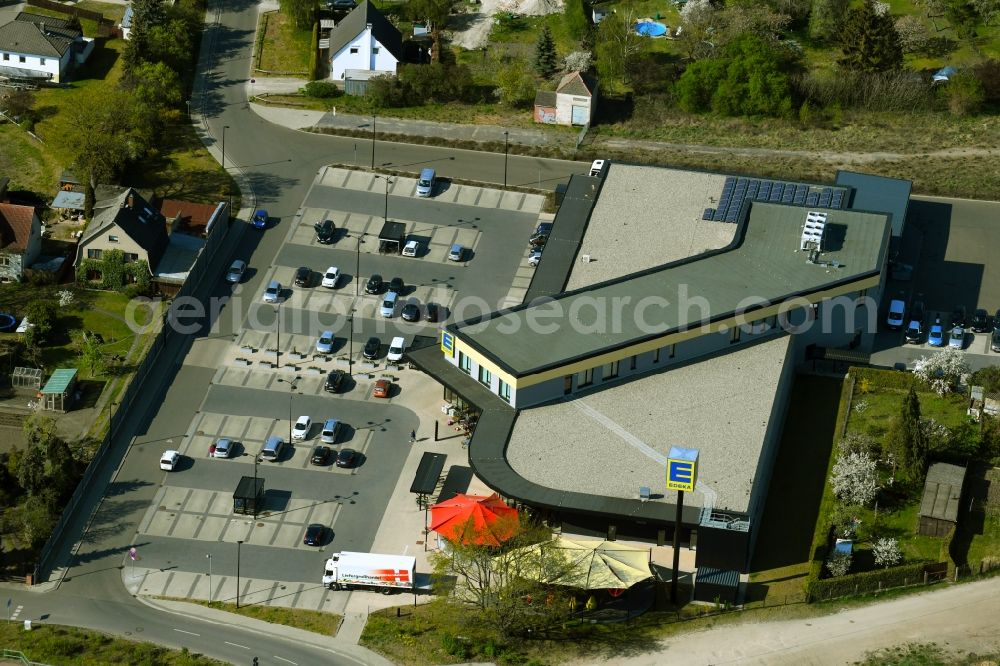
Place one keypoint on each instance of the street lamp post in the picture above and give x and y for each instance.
(224, 128)
(291, 392)
(238, 545)
(277, 327)
(505, 144)
(388, 181)
(209, 556)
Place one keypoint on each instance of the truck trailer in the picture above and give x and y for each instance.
(370, 571)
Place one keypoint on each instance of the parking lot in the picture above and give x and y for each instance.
(268, 375)
(955, 247)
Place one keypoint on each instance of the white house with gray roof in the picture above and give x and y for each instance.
(364, 41)
(34, 47)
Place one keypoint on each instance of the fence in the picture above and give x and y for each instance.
(19, 656)
(202, 265)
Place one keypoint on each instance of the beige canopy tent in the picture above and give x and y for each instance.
(589, 564)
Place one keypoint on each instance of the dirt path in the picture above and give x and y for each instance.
(477, 24)
(960, 618)
(820, 155)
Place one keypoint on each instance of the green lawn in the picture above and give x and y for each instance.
(28, 164)
(883, 406)
(285, 49)
(301, 618)
(89, 26)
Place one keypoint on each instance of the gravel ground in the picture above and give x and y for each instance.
(646, 217)
(610, 443)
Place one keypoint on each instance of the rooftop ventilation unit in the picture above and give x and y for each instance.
(812, 231)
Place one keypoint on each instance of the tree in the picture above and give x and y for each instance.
(618, 43)
(60, 468)
(913, 35)
(578, 61)
(436, 13)
(751, 78)
(844, 520)
(500, 583)
(146, 15)
(987, 10)
(869, 41)
(944, 371)
(92, 354)
(546, 60)
(515, 86)
(964, 93)
(17, 103)
(855, 478)
(105, 130)
(302, 12)
(906, 438)
(42, 315)
(31, 470)
(36, 518)
(839, 563)
(887, 552)
(157, 87)
(38, 430)
(577, 20)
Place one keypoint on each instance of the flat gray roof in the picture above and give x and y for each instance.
(646, 217)
(763, 262)
(606, 443)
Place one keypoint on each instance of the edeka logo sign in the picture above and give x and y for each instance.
(682, 469)
(447, 343)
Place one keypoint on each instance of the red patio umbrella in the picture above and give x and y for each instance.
(474, 519)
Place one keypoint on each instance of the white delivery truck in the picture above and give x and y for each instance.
(370, 571)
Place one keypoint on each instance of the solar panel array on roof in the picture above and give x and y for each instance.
(736, 190)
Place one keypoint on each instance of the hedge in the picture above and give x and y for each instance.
(865, 582)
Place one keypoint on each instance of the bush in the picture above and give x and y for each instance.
(865, 582)
(436, 82)
(388, 92)
(964, 93)
(887, 91)
(322, 89)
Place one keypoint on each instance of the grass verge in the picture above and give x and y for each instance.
(68, 646)
(26, 161)
(315, 621)
(284, 50)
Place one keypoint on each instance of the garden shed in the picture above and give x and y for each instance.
(27, 378)
(942, 494)
(57, 394)
(716, 585)
(574, 101)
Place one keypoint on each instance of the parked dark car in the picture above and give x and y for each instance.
(372, 348)
(321, 455)
(326, 232)
(347, 458)
(958, 316)
(334, 380)
(303, 276)
(981, 321)
(340, 4)
(431, 312)
(374, 284)
(315, 535)
(396, 285)
(915, 328)
(541, 234)
(995, 340)
(410, 312)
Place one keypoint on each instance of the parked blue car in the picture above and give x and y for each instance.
(260, 218)
(936, 337)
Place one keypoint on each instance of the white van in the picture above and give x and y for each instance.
(425, 184)
(396, 348)
(897, 310)
(411, 248)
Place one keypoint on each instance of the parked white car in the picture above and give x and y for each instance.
(235, 273)
(331, 277)
(411, 248)
(396, 348)
(325, 343)
(302, 427)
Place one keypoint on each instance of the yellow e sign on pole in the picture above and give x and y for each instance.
(682, 469)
